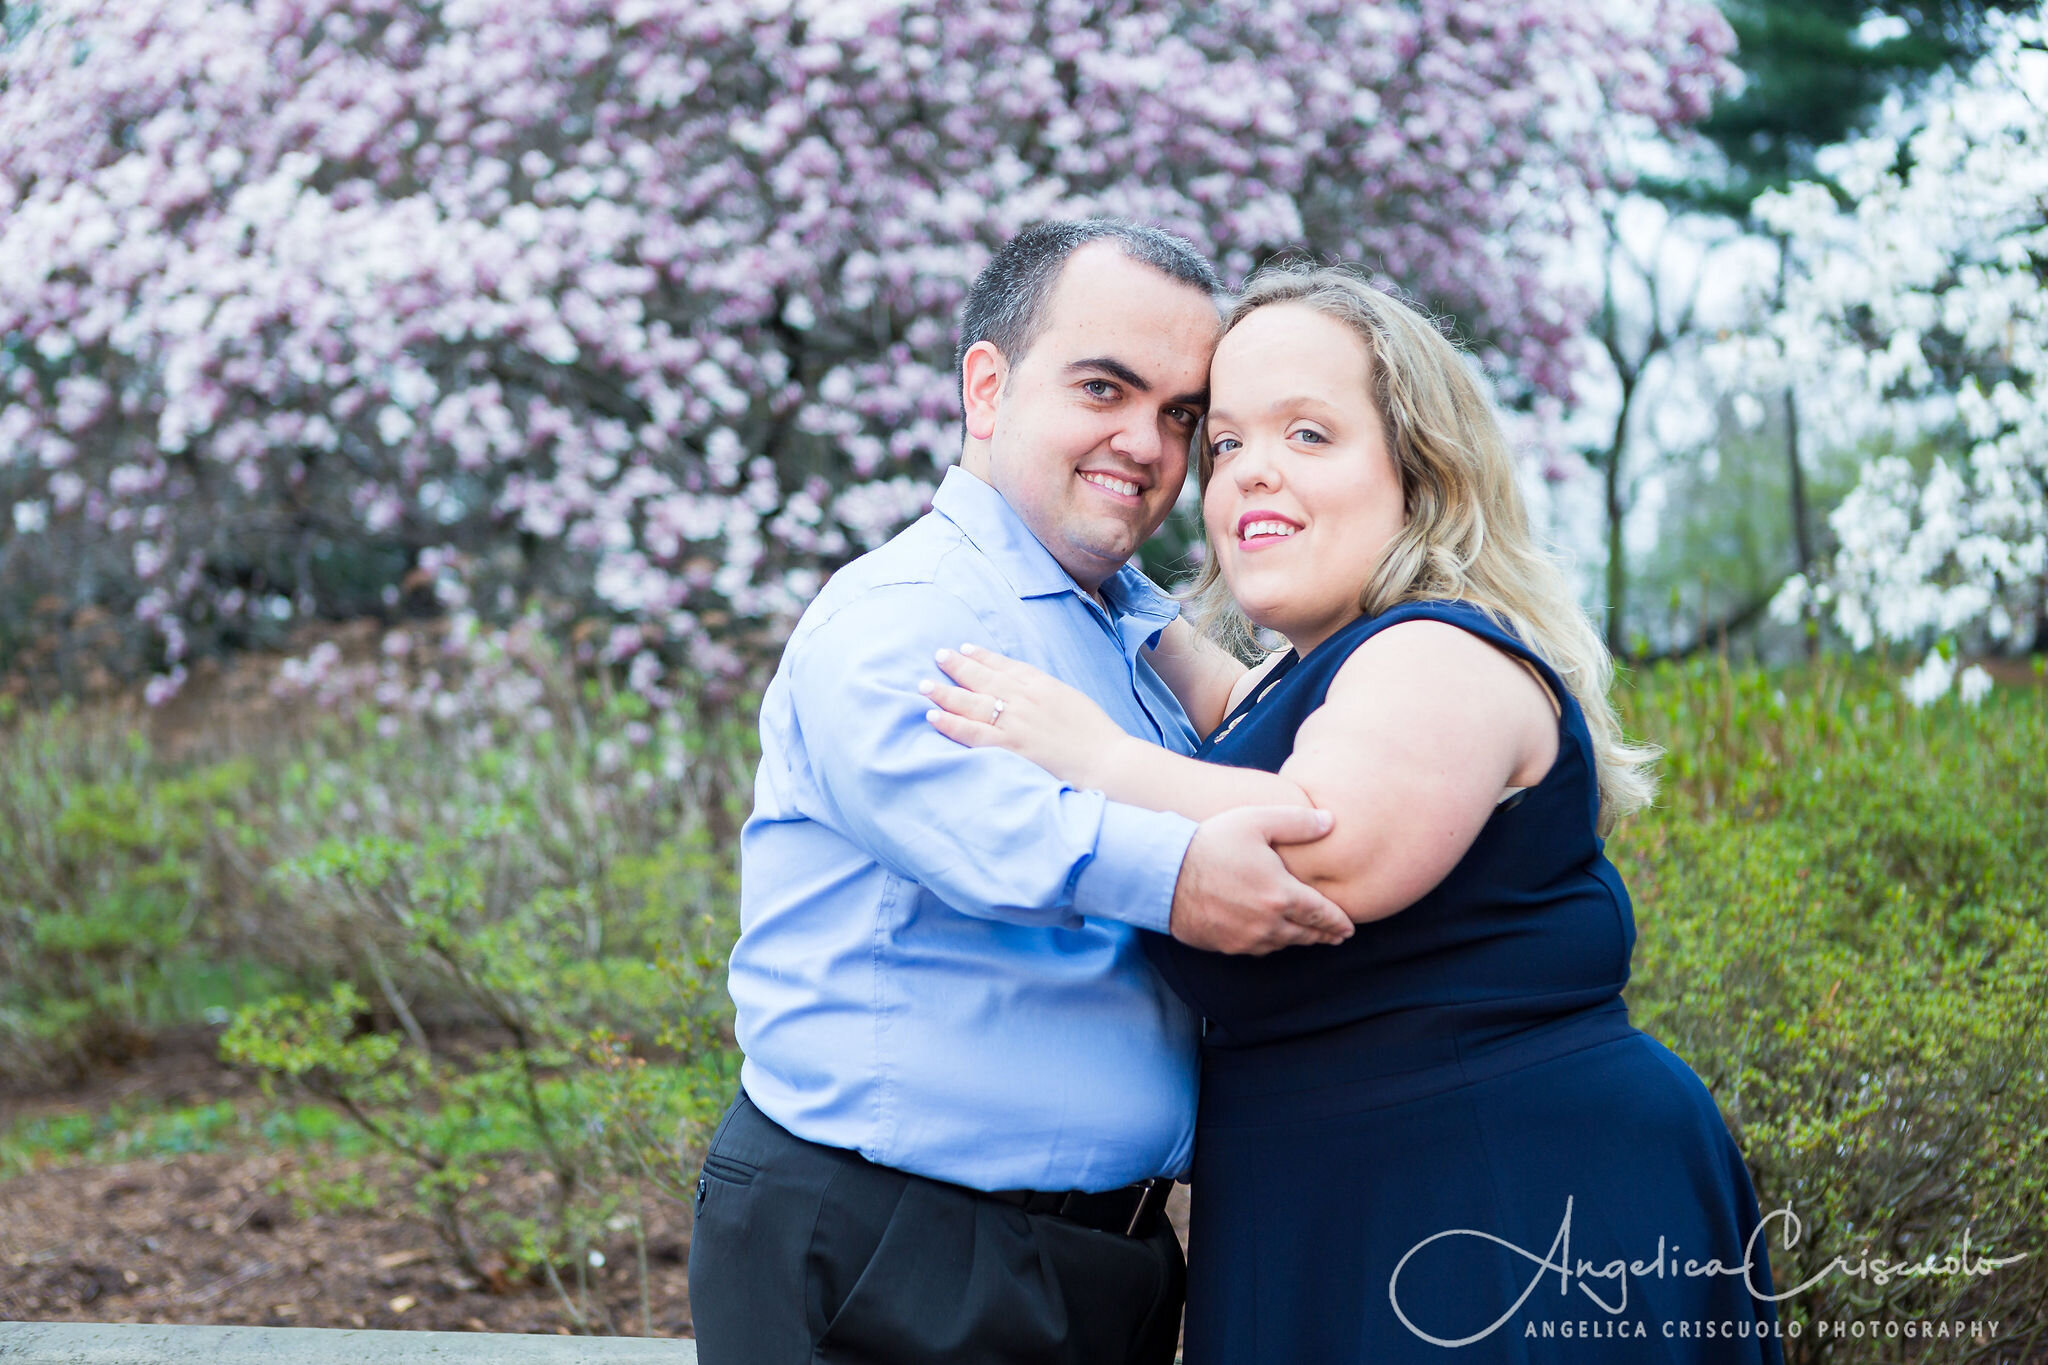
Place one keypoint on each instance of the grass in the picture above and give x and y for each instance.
(147, 1130)
(130, 1131)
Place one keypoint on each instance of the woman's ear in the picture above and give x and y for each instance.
(983, 372)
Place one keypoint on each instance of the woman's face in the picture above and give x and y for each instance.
(1302, 495)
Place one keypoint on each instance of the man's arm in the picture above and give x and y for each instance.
(989, 833)
(994, 835)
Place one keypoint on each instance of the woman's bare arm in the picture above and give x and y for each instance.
(1252, 678)
(1422, 728)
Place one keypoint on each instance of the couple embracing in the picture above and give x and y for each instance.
(1048, 900)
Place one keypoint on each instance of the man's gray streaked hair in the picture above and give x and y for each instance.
(1006, 305)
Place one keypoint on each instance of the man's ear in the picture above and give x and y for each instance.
(983, 372)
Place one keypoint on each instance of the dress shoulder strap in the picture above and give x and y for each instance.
(1470, 616)
(1311, 676)
(1298, 684)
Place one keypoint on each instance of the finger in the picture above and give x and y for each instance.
(1290, 824)
(958, 700)
(1288, 934)
(968, 671)
(993, 658)
(1321, 916)
(972, 733)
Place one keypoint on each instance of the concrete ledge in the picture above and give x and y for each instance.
(93, 1343)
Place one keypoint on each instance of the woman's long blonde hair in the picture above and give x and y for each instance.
(1467, 536)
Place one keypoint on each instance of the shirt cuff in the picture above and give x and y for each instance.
(1136, 865)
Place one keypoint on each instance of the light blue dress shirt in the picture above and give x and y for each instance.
(938, 963)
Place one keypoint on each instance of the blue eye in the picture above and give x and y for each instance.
(1099, 388)
(1222, 446)
(1310, 435)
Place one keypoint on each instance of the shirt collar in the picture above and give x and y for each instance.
(1029, 568)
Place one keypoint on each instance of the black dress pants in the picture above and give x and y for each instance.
(805, 1253)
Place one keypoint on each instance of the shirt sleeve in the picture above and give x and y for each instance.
(986, 831)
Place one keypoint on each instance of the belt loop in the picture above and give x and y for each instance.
(1152, 1202)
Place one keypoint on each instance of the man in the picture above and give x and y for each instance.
(963, 1083)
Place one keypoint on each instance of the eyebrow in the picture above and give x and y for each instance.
(1117, 370)
(1296, 402)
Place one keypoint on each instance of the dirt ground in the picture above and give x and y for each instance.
(219, 1238)
(202, 1239)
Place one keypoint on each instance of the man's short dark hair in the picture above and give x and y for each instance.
(1006, 306)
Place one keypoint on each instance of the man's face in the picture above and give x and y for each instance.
(1086, 434)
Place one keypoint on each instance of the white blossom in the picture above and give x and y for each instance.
(1942, 258)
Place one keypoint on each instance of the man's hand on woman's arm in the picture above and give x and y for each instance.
(1235, 895)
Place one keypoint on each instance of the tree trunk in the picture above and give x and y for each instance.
(1802, 534)
(1617, 513)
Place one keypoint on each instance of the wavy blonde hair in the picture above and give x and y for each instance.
(1467, 536)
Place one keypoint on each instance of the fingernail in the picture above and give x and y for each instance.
(932, 715)
(968, 650)
(943, 655)
(1324, 819)
(925, 685)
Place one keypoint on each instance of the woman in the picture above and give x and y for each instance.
(1442, 1132)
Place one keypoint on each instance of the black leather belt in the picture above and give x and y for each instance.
(1134, 1211)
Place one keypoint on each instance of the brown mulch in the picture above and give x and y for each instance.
(219, 1239)
(246, 1237)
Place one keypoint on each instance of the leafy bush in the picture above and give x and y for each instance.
(1840, 902)
(481, 933)
(123, 902)
(534, 920)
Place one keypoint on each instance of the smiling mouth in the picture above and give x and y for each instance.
(1266, 530)
(1109, 481)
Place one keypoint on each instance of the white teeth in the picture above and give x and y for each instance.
(1123, 486)
(1266, 528)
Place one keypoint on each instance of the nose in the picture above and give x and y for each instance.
(1140, 441)
(1253, 468)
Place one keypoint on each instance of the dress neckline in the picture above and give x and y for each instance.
(1282, 669)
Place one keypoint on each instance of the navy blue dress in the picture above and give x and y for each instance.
(1437, 1140)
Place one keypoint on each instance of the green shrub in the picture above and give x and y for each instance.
(535, 930)
(476, 941)
(1840, 902)
(119, 893)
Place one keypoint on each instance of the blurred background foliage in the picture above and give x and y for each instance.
(474, 951)
(1841, 928)
(469, 942)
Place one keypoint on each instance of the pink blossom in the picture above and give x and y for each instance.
(652, 302)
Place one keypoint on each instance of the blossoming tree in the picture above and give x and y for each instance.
(1932, 291)
(647, 304)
